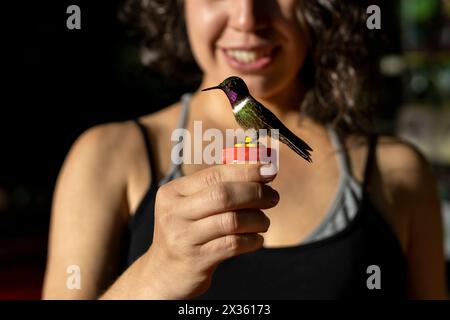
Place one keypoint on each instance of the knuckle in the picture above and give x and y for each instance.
(231, 243)
(167, 199)
(164, 189)
(162, 195)
(220, 194)
(229, 222)
(212, 177)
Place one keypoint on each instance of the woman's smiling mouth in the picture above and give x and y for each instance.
(249, 59)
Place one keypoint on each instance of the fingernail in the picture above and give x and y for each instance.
(268, 170)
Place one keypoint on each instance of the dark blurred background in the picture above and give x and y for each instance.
(59, 82)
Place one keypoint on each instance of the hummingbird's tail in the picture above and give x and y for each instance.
(297, 145)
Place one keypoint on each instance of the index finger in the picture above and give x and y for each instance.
(202, 179)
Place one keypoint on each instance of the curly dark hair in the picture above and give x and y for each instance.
(340, 54)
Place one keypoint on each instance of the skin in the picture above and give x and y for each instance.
(214, 212)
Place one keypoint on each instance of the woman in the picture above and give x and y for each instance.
(362, 220)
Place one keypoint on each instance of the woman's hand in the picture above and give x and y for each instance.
(203, 219)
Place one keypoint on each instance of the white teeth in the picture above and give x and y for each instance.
(240, 55)
(245, 57)
(248, 56)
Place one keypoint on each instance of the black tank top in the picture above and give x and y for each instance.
(337, 267)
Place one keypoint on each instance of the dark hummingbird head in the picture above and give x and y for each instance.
(235, 89)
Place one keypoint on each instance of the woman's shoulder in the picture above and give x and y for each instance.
(404, 177)
(119, 144)
(113, 137)
(403, 165)
(398, 162)
(163, 120)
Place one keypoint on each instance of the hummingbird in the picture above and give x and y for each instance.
(249, 113)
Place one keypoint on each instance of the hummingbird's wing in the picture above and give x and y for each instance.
(270, 121)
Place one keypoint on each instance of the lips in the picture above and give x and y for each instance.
(249, 59)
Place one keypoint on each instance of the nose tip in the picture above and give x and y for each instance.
(248, 16)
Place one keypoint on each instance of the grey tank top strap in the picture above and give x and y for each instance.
(347, 199)
(341, 152)
(175, 169)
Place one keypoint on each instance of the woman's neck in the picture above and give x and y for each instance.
(283, 103)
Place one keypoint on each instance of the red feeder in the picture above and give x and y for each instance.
(248, 152)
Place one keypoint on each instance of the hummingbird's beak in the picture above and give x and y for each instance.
(212, 88)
